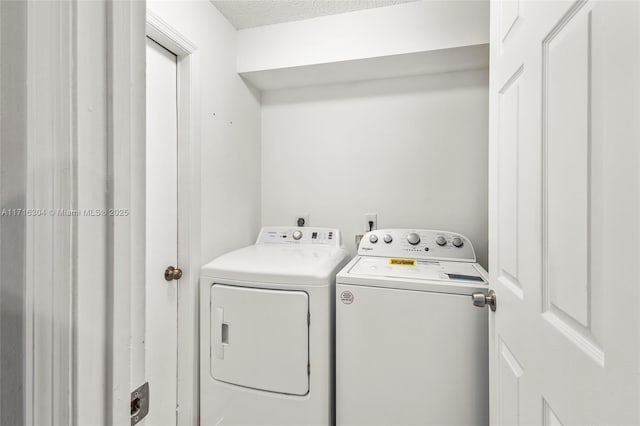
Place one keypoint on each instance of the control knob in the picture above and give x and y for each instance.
(373, 238)
(297, 235)
(413, 238)
(457, 242)
(388, 238)
(441, 241)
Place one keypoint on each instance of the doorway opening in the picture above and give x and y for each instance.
(168, 357)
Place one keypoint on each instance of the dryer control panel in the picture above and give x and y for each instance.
(291, 235)
(417, 244)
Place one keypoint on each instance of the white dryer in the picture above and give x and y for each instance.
(411, 349)
(266, 330)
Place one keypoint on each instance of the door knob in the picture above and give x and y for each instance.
(481, 300)
(172, 273)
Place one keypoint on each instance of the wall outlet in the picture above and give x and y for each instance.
(370, 222)
(301, 219)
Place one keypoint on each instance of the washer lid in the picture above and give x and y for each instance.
(416, 269)
(275, 263)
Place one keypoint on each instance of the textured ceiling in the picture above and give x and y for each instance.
(255, 13)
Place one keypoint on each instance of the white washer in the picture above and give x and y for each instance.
(411, 349)
(266, 330)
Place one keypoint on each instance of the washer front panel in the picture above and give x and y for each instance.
(410, 358)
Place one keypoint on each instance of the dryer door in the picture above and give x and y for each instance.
(260, 338)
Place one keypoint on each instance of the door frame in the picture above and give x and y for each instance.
(95, 53)
(188, 215)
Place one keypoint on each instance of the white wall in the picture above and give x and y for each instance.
(229, 114)
(405, 28)
(413, 150)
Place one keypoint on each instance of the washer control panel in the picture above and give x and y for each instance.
(417, 244)
(307, 235)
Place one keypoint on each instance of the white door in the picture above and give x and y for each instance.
(260, 338)
(565, 216)
(162, 235)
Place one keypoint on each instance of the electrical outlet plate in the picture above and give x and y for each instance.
(301, 216)
(370, 217)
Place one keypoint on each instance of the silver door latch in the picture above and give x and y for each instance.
(139, 403)
(481, 300)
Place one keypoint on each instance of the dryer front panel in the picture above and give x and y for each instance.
(260, 338)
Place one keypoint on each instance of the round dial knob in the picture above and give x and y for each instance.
(441, 240)
(457, 241)
(388, 238)
(297, 235)
(373, 238)
(413, 238)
